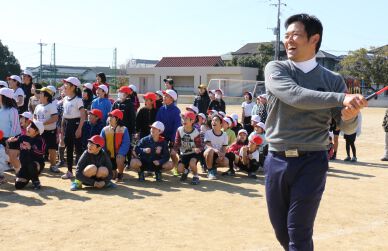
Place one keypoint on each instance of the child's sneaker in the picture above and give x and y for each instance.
(54, 169)
(67, 175)
(75, 185)
(252, 175)
(141, 177)
(211, 174)
(175, 172)
(158, 176)
(110, 184)
(195, 180)
(354, 159)
(230, 172)
(184, 175)
(119, 177)
(36, 185)
(347, 159)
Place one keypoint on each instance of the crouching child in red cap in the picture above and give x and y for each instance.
(32, 150)
(233, 152)
(189, 145)
(250, 156)
(152, 152)
(94, 167)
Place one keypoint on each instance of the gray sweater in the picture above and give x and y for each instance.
(301, 105)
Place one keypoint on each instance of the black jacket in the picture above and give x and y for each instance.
(128, 110)
(100, 159)
(144, 119)
(202, 102)
(217, 105)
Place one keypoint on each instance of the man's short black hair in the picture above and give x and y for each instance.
(312, 26)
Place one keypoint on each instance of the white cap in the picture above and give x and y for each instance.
(27, 72)
(16, 77)
(52, 88)
(104, 88)
(193, 108)
(27, 115)
(3, 83)
(235, 117)
(158, 125)
(159, 93)
(256, 118)
(202, 115)
(242, 131)
(39, 125)
(228, 120)
(7, 92)
(73, 80)
(133, 87)
(261, 124)
(222, 114)
(89, 86)
(263, 96)
(212, 91)
(219, 90)
(171, 93)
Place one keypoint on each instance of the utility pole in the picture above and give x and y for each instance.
(277, 30)
(41, 52)
(115, 65)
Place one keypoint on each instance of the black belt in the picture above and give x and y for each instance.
(292, 153)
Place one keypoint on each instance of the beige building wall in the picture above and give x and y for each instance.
(151, 79)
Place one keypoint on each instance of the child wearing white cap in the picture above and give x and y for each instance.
(14, 83)
(32, 149)
(152, 152)
(102, 102)
(226, 124)
(73, 119)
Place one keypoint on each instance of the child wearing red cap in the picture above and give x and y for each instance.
(124, 104)
(146, 115)
(250, 156)
(233, 152)
(92, 126)
(117, 142)
(188, 145)
(94, 168)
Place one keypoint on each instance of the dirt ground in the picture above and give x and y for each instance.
(227, 214)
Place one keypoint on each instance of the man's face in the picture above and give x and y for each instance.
(298, 47)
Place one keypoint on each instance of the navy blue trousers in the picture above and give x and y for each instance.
(294, 188)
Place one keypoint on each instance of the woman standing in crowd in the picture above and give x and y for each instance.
(202, 100)
(72, 122)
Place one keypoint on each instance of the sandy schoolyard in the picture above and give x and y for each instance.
(227, 214)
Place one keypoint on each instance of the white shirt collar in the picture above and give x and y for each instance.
(306, 66)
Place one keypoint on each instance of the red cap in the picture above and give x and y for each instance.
(96, 112)
(125, 89)
(256, 139)
(1, 134)
(117, 113)
(150, 95)
(190, 115)
(97, 140)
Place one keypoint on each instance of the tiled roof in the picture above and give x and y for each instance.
(190, 61)
(252, 48)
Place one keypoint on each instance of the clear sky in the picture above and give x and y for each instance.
(86, 31)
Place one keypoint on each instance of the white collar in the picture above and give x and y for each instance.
(306, 66)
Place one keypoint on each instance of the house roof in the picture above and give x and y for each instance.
(324, 54)
(207, 61)
(251, 48)
(75, 70)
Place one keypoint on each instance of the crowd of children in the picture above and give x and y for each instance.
(108, 135)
